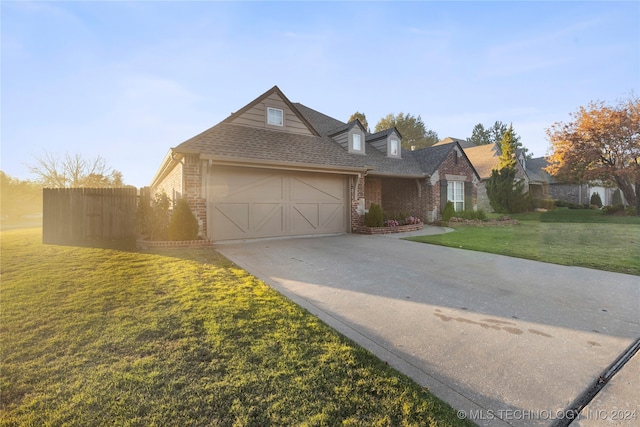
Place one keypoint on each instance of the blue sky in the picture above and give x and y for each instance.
(129, 80)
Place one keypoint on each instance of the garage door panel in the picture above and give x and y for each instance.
(231, 219)
(317, 189)
(268, 187)
(305, 216)
(250, 203)
(267, 218)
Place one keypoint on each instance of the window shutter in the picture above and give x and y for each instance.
(443, 194)
(468, 195)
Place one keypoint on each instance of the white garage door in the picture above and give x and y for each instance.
(247, 203)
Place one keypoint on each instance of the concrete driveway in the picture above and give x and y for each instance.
(505, 341)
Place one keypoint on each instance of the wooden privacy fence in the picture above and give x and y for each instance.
(77, 215)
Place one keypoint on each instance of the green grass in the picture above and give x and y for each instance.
(584, 238)
(103, 336)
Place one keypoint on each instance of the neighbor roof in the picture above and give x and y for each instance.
(484, 158)
(536, 172)
(463, 142)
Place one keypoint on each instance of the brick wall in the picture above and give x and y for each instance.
(171, 184)
(372, 191)
(355, 194)
(454, 166)
(194, 193)
(400, 197)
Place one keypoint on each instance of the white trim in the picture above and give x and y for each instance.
(273, 109)
(353, 142)
(397, 146)
(455, 194)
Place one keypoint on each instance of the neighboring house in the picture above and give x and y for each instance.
(277, 168)
(545, 186)
(486, 158)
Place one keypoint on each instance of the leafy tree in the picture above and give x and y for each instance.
(19, 197)
(505, 193)
(480, 135)
(508, 149)
(601, 142)
(359, 116)
(413, 130)
(494, 134)
(55, 171)
(183, 224)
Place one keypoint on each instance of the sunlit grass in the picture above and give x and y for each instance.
(569, 237)
(99, 336)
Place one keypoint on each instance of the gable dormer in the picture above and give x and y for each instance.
(351, 137)
(388, 142)
(272, 110)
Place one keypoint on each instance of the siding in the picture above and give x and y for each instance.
(257, 117)
(172, 184)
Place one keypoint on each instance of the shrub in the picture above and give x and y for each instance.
(375, 216)
(183, 224)
(448, 211)
(505, 193)
(152, 217)
(471, 214)
(391, 223)
(616, 199)
(619, 210)
(596, 200)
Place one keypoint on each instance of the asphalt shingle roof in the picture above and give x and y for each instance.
(242, 142)
(322, 123)
(484, 158)
(430, 158)
(535, 170)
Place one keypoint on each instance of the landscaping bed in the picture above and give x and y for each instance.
(388, 230)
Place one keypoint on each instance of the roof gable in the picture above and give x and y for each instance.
(254, 114)
(431, 158)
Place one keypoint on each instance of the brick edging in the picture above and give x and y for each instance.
(173, 244)
(389, 230)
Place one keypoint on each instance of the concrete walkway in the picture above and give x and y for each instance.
(505, 341)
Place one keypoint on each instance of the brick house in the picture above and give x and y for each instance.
(277, 168)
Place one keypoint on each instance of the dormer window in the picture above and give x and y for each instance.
(357, 142)
(275, 116)
(394, 148)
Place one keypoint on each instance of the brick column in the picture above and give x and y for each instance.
(194, 192)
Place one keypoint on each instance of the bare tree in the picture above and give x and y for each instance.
(73, 170)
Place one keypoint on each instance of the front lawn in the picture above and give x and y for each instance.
(104, 336)
(584, 238)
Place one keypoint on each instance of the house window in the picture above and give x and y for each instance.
(275, 116)
(357, 142)
(393, 147)
(455, 194)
